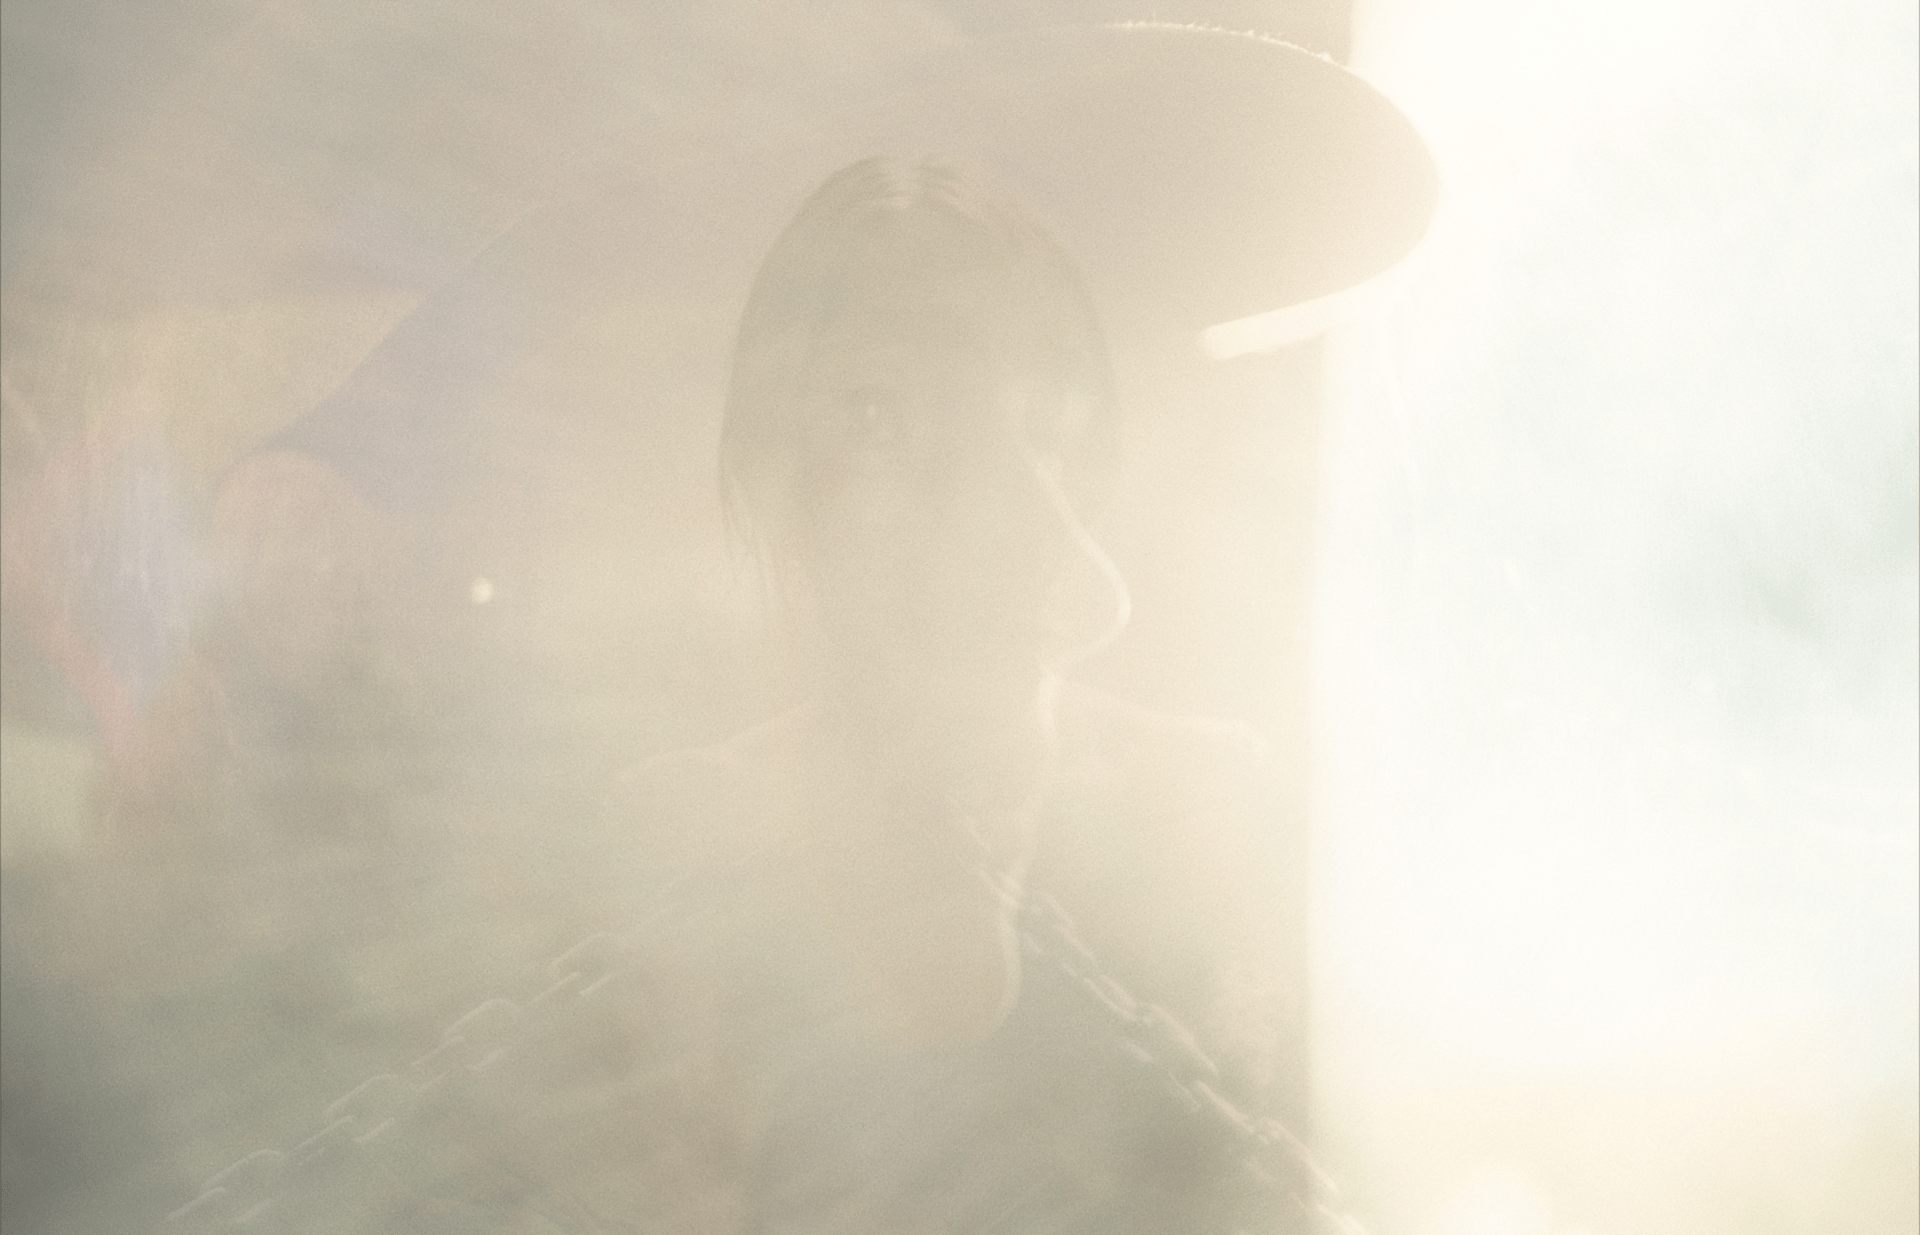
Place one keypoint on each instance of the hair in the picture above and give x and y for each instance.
(919, 221)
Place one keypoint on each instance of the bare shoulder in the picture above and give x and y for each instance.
(707, 803)
(658, 792)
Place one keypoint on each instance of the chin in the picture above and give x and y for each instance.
(990, 691)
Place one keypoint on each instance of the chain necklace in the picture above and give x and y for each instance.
(358, 1146)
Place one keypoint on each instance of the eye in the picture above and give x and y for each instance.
(871, 418)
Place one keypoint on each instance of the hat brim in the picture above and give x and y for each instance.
(1197, 175)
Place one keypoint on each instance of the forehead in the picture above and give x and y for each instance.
(904, 322)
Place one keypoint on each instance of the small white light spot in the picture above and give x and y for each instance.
(482, 590)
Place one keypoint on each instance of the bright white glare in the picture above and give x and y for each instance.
(1494, 1204)
(1618, 682)
(1618, 875)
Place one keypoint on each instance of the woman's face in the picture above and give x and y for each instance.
(931, 523)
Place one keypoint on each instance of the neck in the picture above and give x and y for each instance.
(981, 742)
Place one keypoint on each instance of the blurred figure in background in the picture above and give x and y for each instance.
(101, 575)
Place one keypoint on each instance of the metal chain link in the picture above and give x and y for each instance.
(1269, 1153)
(245, 1195)
(248, 1195)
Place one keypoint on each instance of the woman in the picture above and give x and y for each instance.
(910, 947)
(905, 953)
(902, 1030)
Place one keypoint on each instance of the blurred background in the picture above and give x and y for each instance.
(1616, 675)
(334, 590)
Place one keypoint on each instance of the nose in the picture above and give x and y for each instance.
(1022, 569)
(1087, 604)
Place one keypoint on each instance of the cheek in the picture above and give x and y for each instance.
(848, 513)
(862, 541)
(953, 560)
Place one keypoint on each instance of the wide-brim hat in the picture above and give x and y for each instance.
(1197, 175)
